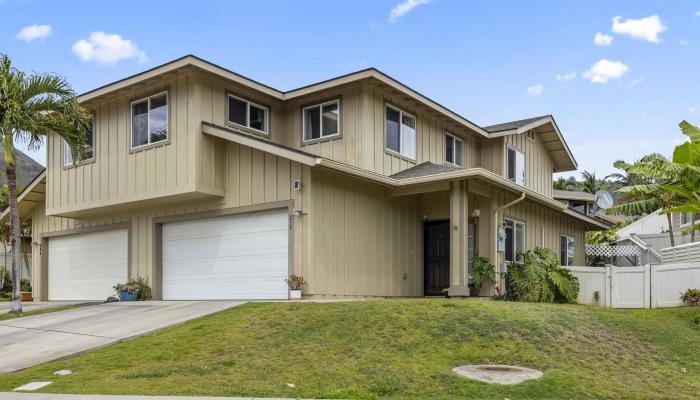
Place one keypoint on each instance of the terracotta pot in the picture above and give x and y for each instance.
(26, 296)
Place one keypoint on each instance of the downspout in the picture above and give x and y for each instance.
(496, 224)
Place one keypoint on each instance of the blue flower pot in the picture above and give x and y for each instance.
(126, 296)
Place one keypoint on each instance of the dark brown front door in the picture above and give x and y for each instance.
(437, 257)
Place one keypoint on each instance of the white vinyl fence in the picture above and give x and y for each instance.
(636, 287)
(683, 253)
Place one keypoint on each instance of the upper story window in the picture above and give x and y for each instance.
(515, 240)
(321, 121)
(567, 250)
(454, 150)
(686, 218)
(149, 120)
(89, 148)
(516, 166)
(251, 115)
(400, 132)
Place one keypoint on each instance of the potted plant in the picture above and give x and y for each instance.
(295, 283)
(127, 291)
(25, 289)
(482, 271)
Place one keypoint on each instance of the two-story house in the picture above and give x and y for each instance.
(215, 186)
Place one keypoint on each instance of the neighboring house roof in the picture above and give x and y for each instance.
(545, 125)
(28, 198)
(655, 222)
(571, 195)
(506, 126)
(27, 169)
(425, 169)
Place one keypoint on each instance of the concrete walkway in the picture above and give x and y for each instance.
(33, 340)
(42, 396)
(28, 306)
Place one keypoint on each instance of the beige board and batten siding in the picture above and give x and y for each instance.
(251, 177)
(539, 165)
(119, 174)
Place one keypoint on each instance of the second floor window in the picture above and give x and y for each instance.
(579, 206)
(89, 148)
(149, 120)
(321, 120)
(244, 113)
(516, 166)
(454, 150)
(400, 132)
(567, 250)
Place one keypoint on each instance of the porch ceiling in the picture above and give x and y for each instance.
(29, 198)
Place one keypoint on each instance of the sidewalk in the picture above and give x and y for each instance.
(46, 396)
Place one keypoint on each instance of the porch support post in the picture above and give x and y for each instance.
(459, 218)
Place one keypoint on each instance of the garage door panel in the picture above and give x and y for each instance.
(233, 257)
(87, 266)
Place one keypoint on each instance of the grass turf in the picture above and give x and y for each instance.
(8, 315)
(396, 349)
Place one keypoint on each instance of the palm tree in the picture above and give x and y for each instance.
(565, 183)
(30, 108)
(673, 186)
(589, 183)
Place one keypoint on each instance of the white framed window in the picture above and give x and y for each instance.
(516, 166)
(400, 132)
(454, 150)
(515, 240)
(567, 250)
(686, 218)
(149, 120)
(89, 147)
(321, 121)
(248, 114)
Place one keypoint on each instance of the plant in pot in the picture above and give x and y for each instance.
(482, 272)
(295, 284)
(128, 291)
(25, 288)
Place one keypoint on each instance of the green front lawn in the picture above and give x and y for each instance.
(397, 349)
(8, 315)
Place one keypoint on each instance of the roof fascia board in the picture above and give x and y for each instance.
(259, 144)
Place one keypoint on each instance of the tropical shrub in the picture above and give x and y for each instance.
(540, 279)
(691, 296)
(482, 271)
(25, 285)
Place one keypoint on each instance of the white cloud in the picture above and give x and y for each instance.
(637, 81)
(697, 14)
(684, 42)
(403, 8)
(605, 70)
(107, 49)
(33, 32)
(691, 109)
(602, 39)
(569, 76)
(535, 90)
(647, 28)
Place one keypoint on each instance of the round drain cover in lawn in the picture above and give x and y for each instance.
(500, 374)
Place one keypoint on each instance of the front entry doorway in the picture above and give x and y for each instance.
(437, 257)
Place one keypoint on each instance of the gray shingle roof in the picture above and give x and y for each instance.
(572, 195)
(506, 126)
(425, 169)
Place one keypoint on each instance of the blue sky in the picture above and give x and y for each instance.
(491, 61)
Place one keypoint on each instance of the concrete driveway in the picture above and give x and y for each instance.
(37, 339)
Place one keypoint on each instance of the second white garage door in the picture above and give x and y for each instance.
(242, 256)
(86, 266)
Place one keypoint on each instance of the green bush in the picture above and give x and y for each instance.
(25, 285)
(691, 296)
(540, 279)
(482, 271)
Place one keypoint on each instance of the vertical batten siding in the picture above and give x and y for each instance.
(273, 182)
(539, 165)
(362, 242)
(120, 175)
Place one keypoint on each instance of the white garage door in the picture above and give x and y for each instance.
(87, 266)
(241, 256)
